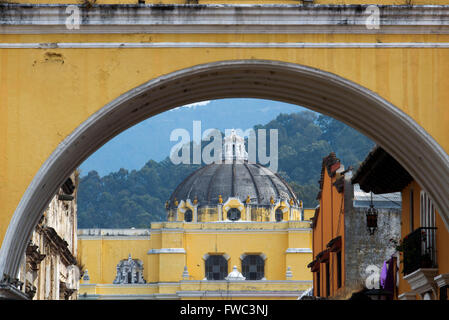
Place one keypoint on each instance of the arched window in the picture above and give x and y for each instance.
(216, 267)
(234, 214)
(188, 215)
(253, 267)
(278, 215)
(428, 227)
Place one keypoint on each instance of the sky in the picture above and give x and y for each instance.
(150, 139)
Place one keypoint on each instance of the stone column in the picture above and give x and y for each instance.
(248, 212)
(220, 212)
(195, 213)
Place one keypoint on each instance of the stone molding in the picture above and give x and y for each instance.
(224, 18)
(422, 281)
(442, 280)
(407, 296)
(166, 250)
(298, 250)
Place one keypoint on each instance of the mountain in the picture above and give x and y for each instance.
(150, 139)
(134, 198)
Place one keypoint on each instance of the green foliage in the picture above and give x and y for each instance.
(126, 199)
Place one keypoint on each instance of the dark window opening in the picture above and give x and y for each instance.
(339, 275)
(279, 215)
(318, 284)
(443, 292)
(234, 214)
(253, 267)
(328, 283)
(188, 215)
(411, 211)
(216, 267)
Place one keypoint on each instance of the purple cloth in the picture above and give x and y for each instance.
(383, 274)
(389, 281)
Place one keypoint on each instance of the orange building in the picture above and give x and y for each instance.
(423, 246)
(345, 253)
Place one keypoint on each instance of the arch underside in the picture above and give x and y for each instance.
(320, 91)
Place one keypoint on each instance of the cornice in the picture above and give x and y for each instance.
(213, 18)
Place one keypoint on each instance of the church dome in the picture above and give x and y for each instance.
(237, 180)
(234, 190)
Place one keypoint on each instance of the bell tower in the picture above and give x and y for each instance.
(234, 148)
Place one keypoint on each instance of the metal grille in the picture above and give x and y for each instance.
(419, 250)
(234, 214)
(253, 267)
(188, 215)
(216, 267)
(279, 215)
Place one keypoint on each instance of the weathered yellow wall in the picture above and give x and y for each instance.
(236, 240)
(46, 93)
(101, 256)
(442, 235)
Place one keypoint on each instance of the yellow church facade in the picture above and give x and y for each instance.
(168, 247)
(235, 230)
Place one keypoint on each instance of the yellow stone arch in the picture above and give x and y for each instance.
(63, 95)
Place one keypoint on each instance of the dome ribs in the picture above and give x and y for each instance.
(254, 182)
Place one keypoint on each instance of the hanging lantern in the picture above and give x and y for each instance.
(371, 218)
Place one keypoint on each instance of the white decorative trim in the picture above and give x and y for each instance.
(262, 281)
(207, 255)
(227, 207)
(239, 293)
(240, 231)
(421, 280)
(235, 275)
(153, 296)
(407, 296)
(126, 238)
(166, 250)
(298, 250)
(262, 255)
(124, 232)
(220, 18)
(442, 280)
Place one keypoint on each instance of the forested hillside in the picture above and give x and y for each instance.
(134, 198)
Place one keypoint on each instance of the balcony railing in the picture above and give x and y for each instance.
(419, 248)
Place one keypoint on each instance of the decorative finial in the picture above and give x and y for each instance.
(220, 199)
(185, 274)
(300, 203)
(289, 274)
(291, 201)
(248, 199)
(176, 202)
(271, 200)
(235, 275)
(195, 201)
(86, 277)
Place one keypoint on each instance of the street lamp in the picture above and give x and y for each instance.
(371, 218)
